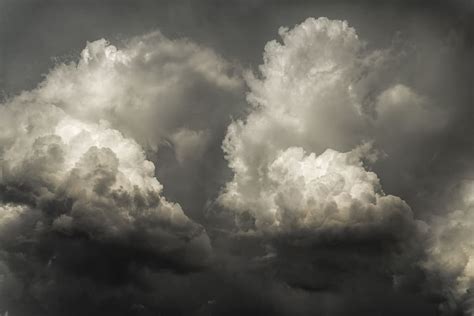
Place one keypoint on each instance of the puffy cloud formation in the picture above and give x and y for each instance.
(88, 178)
(171, 94)
(149, 89)
(77, 189)
(85, 228)
(331, 192)
(74, 144)
(450, 258)
(314, 95)
(302, 178)
(309, 89)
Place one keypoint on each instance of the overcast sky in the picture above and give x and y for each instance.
(236, 157)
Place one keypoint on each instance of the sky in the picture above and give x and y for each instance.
(236, 157)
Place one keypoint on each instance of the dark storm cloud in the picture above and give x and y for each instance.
(345, 168)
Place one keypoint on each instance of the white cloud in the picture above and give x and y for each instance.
(328, 193)
(305, 91)
(318, 90)
(110, 185)
(450, 259)
(78, 139)
(149, 89)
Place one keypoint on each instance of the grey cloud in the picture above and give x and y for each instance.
(311, 220)
(309, 96)
(95, 201)
(322, 88)
(149, 89)
(172, 96)
(451, 267)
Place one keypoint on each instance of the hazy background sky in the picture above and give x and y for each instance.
(34, 32)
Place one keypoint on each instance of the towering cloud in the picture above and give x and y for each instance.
(76, 185)
(301, 160)
(316, 94)
(171, 94)
(149, 89)
(331, 192)
(99, 181)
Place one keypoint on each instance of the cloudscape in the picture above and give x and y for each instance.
(236, 157)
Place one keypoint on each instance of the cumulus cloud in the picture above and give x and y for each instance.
(305, 96)
(85, 224)
(99, 181)
(322, 112)
(75, 145)
(149, 89)
(300, 172)
(322, 87)
(329, 193)
(450, 254)
(172, 96)
(77, 189)
(317, 91)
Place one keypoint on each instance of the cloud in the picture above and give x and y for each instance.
(172, 96)
(10, 215)
(317, 94)
(329, 193)
(322, 112)
(321, 86)
(85, 224)
(99, 181)
(325, 112)
(305, 88)
(189, 145)
(77, 142)
(450, 254)
(149, 89)
(400, 108)
(77, 189)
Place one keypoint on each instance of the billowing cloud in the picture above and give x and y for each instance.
(450, 254)
(168, 94)
(314, 97)
(76, 144)
(322, 113)
(99, 182)
(306, 95)
(110, 169)
(149, 89)
(77, 188)
(329, 193)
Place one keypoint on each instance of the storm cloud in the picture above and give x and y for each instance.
(316, 159)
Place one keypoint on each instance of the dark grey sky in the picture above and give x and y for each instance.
(72, 243)
(33, 32)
